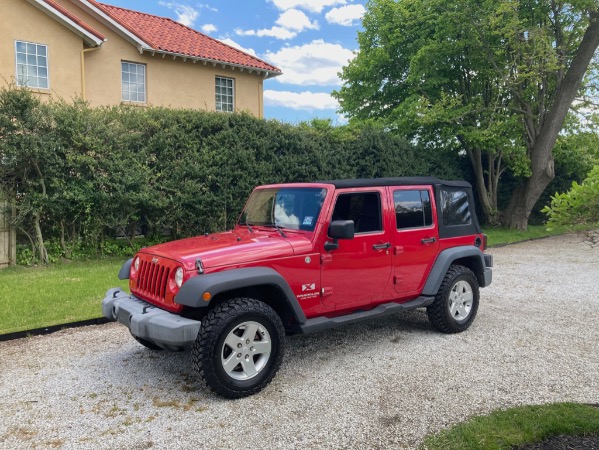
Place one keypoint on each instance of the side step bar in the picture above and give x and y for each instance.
(324, 323)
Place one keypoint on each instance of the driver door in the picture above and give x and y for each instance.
(359, 271)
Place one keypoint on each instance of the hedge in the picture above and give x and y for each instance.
(83, 176)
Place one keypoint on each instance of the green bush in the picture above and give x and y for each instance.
(580, 205)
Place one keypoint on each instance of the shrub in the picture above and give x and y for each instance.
(580, 205)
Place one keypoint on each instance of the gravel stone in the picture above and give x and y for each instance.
(383, 383)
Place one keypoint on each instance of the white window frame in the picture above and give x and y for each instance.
(145, 84)
(218, 93)
(18, 77)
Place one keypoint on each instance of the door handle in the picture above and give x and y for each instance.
(381, 246)
(429, 240)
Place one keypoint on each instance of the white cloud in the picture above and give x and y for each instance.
(186, 15)
(209, 28)
(300, 100)
(346, 15)
(316, 63)
(288, 25)
(315, 6)
(276, 32)
(208, 7)
(234, 44)
(296, 20)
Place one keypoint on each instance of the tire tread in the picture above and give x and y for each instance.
(437, 311)
(213, 325)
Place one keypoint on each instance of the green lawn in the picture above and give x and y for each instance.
(517, 426)
(61, 293)
(502, 236)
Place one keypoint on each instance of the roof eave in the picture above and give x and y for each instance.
(89, 38)
(101, 15)
(215, 62)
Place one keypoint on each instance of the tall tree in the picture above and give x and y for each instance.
(493, 79)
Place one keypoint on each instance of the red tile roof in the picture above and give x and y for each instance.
(166, 35)
(75, 19)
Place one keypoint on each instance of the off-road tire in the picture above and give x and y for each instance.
(147, 344)
(440, 311)
(221, 322)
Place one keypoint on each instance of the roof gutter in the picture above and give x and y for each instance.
(215, 62)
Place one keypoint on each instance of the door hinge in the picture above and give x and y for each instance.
(326, 258)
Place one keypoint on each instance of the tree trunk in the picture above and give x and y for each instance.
(40, 239)
(475, 156)
(526, 195)
(529, 191)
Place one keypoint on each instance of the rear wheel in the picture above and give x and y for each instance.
(239, 348)
(456, 302)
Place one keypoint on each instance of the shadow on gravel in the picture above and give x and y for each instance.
(141, 368)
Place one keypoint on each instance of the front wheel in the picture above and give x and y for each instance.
(239, 348)
(456, 302)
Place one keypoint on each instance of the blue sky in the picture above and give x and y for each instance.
(309, 40)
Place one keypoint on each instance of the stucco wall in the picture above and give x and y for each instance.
(169, 82)
(21, 21)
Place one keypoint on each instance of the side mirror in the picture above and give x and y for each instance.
(339, 229)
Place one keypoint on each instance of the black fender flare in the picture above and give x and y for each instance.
(125, 269)
(445, 259)
(193, 289)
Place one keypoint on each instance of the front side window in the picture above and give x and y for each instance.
(133, 78)
(364, 208)
(225, 94)
(32, 64)
(455, 207)
(412, 209)
(293, 208)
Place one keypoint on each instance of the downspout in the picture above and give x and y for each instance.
(83, 52)
(260, 99)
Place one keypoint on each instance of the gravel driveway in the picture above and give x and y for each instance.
(380, 384)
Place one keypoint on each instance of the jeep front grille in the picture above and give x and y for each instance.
(153, 280)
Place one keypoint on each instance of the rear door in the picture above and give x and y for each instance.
(415, 238)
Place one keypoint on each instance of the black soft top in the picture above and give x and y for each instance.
(395, 181)
(446, 229)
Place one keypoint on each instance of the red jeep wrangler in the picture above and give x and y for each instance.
(306, 257)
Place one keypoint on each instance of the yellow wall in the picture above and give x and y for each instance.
(21, 21)
(169, 82)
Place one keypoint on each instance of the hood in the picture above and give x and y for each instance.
(229, 248)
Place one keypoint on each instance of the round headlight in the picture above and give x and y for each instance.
(179, 276)
(136, 263)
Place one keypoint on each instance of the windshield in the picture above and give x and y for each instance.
(292, 208)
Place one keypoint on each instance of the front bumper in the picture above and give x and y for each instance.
(146, 321)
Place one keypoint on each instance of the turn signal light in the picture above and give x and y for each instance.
(207, 296)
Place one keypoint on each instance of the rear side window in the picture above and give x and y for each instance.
(364, 208)
(412, 209)
(455, 207)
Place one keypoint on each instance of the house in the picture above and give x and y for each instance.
(109, 55)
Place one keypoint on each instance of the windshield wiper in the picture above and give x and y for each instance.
(250, 229)
(279, 229)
